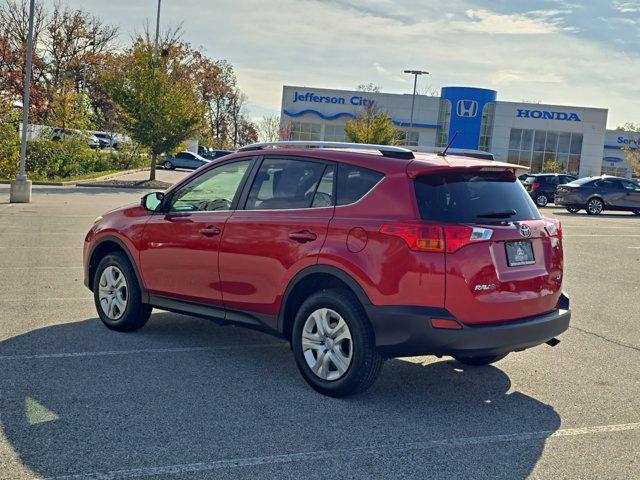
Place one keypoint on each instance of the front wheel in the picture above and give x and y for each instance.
(595, 206)
(479, 361)
(333, 344)
(573, 209)
(542, 200)
(117, 296)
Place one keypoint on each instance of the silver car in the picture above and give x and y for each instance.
(184, 159)
(596, 194)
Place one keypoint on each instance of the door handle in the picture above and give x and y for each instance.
(210, 231)
(303, 236)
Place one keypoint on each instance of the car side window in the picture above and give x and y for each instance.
(630, 186)
(355, 182)
(212, 191)
(285, 184)
(605, 184)
(553, 180)
(567, 179)
(182, 155)
(324, 193)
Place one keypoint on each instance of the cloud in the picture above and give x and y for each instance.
(627, 7)
(510, 77)
(535, 22)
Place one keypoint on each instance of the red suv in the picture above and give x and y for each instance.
(353, 254)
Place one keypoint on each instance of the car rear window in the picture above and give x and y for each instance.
(355, 182)
(474, 197)
(582, 181)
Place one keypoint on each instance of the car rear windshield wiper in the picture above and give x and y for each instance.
(503, 214)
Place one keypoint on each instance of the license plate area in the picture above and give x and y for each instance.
(519, 253)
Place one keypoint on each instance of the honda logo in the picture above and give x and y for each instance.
(467, 108)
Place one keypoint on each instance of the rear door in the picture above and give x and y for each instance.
(278, 229)
(503, 260)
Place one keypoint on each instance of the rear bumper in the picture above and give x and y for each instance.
(406, 331)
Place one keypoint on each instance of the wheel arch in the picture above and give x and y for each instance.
(308, 280)
(106, 245)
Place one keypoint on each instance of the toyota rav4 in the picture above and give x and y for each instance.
(352, 254)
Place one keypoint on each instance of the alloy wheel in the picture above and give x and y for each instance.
(595, 206)
(326, 344)
(542, 200)
(113, 292)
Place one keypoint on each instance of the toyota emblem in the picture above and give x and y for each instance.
(525, 231)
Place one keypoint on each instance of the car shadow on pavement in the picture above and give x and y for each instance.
(189, 391)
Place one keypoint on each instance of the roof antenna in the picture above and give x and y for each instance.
(444, 152)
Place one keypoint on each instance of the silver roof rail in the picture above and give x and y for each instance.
(385, 150)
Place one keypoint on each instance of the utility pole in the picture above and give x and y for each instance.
(415, 74)
(21, 187)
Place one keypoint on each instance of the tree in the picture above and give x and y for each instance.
(269, 128)
(368, 87)
(160, 106)
(71, 110)
(372, 126)
(553, 166)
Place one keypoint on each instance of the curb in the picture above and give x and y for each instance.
(112, 185)
(79, 183)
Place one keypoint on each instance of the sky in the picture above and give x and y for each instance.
(581, 53)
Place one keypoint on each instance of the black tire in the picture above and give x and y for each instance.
(637, 212)
(573, 209)
(542, 200)
(167, 165)
(366, 361)
(135, 314)
(479, 361)
(594, 206)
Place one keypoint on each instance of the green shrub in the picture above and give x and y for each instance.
(49, 160)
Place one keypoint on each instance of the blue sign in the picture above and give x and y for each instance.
(467, 108)
(629, 141)
(311, 97)
(548, 115)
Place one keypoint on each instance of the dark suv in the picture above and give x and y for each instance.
(352, 254)
(542, 186)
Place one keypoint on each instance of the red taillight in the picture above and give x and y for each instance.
(445, 323)
(434, 238)
(553, 227)
(535, 186)
(426, 238)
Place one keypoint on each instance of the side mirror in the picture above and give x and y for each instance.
(152, 201)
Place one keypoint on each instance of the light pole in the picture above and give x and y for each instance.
(155, 43)
(415, 74)
(21, 187)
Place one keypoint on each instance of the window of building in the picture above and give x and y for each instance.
(534, 148)
(444, 120)
(615, 171)
(305, 131)
(486, 127)
(335, 133)
(409, 138)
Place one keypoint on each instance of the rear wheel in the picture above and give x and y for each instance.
(478, 361)
(595, 206)
(542, 200)
(167, 165)
(573, 209)
(117, 296)
(333, 344)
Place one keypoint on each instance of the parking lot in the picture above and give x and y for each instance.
(185, 398)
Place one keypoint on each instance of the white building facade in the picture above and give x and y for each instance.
(529, 134)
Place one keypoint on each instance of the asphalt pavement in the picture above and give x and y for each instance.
(185, 398)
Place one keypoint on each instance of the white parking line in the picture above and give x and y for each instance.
(321, 455)
(40, 356)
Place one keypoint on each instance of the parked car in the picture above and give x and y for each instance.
(352, 255)
(596, 194)
(184, 159)
(59, 134)
(107, 140)
(212, 154)
(542, 186)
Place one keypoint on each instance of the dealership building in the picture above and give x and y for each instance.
(525, 133)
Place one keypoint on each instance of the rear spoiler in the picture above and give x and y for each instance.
(424, 167)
